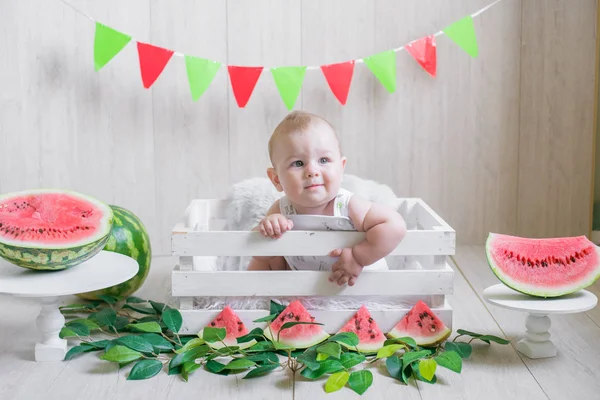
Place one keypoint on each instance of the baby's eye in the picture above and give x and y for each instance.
(324, 160)
(297, 163)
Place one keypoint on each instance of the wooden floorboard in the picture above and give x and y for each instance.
(493, 371)
(574, 371)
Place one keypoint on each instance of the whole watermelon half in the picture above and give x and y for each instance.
(129, 237)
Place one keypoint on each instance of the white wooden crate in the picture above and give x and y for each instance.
(419, 268)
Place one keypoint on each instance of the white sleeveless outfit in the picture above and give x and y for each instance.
(339, 222)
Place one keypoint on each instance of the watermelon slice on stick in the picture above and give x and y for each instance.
(234, 328)
(370, 337)
(546, 267)
(421, 324)
(299, 336)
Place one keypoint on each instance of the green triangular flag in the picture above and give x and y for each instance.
(462, 32)
(200, 73)
(383, 66)
(289, 82)
(107, 44)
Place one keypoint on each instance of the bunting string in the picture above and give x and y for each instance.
(108, 42)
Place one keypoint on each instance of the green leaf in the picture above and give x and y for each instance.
(336, 381)
(191, 366)
(200, 73)
(106, 317)
(427, 368)
(159, 307)
(159, 343)
(394, 367)
(493, 338)
(137, 343)
(261, 346)
(450, 360)
(141, 310)
(240, 363)
(260, 371)
(276, 308)
(172, 319)
(383, 66)
(107, 44)
(359, 381)
(212, 335)
(288, 81)
(91, 325)
(331, 349)
(216, 367)
(408, 341)
(268, 318)
(190, 345)
(326, 367)
(99, 344)
(464, 350)
(134, 299)
(411, 356)
(73, 351)
(75, 329)
(254, 334)
(420, 377)
(267, 358)
(121, 322)
(121, 354)
(145, 369)
(66, 333)
(348, 338)
(108, 299)
(191, 354)
(148, 327)
(389, 350)
(309, 358)
(321, 356)
(350, 360)
(462, 32)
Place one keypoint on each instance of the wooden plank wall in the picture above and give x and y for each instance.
(502, 142)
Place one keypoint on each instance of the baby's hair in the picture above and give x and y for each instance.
(297, 121)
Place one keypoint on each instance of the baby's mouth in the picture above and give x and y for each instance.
(314, 186)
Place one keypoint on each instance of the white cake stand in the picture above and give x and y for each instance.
(537, 343)
(104, 270)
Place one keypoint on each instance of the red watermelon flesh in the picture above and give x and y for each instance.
(421, 324)
(370, 337)
(234, 328)
(298, 336)
(547, 267)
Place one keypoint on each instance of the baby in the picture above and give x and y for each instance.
(308, 167)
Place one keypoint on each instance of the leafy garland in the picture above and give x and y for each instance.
(146, 332)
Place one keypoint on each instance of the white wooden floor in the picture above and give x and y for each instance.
(492, 372)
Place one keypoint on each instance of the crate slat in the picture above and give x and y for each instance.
(333, 320)
(310, 283)
(309, 243)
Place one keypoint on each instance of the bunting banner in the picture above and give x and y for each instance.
(109, 42)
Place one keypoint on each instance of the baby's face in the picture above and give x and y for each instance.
(308, 166)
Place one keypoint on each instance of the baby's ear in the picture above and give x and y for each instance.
(274, 179)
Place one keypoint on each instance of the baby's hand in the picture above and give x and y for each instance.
(346, 269)
(274, 225)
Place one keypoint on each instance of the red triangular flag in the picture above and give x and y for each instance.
(338, 77)
(424, 51)
(243, 80)
(152, 62)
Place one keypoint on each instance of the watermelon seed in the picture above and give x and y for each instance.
(240, 329)
(240, 322)
(370, 319)
(372, 336)
(420, 324)
(212, 324)
(370, 331)
(297, 318)
(291, 315)
(572, 259)
(282, 318)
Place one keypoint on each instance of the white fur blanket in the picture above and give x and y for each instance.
(249, 201)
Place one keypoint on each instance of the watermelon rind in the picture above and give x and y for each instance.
(57, 256)
(407, 326)
(228, 343)
(229, 315)
(302, 339)
(538, 291)
(425, 341)
(373, 345)
(128, 237)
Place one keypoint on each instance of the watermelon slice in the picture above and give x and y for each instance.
(543, 267)
(421, 324)
(234, 328)
(52, 229)
(298, 336)
(370, 337)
